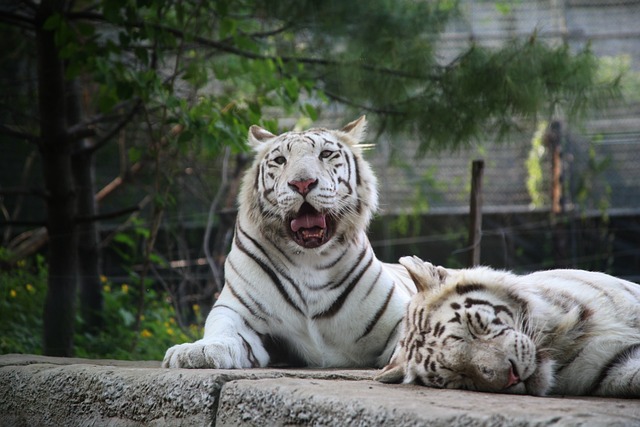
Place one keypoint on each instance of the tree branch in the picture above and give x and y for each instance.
(24, 192)
(117, 181)
(109, 215)
(18, 20)
(215, 270)
(78, 132)
(6, 130)
(23, 223)
(83, 130)
(348, 102)
(224, 47)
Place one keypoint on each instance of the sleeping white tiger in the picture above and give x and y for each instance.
(552, 332)
(302, 284)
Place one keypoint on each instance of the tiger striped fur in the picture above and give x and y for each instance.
(567, 332)
(302, 284)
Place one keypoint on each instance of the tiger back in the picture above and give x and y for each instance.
(567, 332)
(302, 283)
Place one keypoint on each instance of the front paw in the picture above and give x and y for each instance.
(542, 380)
(214, 355)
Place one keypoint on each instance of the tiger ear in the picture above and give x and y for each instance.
(258, 136)
(425, 275)
(356, 129)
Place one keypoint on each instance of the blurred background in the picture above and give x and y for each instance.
(123, 127)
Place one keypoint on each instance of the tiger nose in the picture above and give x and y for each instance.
(303, 186)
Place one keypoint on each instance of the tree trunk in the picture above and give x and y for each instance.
(59, 309)
(558, 211)
(91, 301)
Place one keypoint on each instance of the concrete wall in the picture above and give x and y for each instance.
(45, 391)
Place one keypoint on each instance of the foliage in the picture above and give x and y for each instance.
(121, 340)
(537, 186)
(583, 185)
(590, 190)
(619, 68)
(22, 294)
(377, 56)
(423, 182)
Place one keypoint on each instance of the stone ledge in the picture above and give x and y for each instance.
(291, 401)
(36, 390)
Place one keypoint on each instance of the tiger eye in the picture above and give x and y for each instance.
(325, 154)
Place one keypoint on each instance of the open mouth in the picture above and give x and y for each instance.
(311, 228)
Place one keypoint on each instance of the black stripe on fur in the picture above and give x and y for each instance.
(272, 275)
(376, 318)
(620, 358)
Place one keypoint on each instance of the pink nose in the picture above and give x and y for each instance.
(304, 186)
(513, 378)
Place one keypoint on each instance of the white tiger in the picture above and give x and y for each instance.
(568, 332)
(302, 284)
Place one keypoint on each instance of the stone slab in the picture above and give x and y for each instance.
(49, 391)
(46, 391)
(291, 401)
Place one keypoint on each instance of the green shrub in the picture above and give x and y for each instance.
(120, 340)
(22, 296)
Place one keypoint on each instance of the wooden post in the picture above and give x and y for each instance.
(475, 213)
(558, 219)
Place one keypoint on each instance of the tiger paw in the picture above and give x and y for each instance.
(224, 354)
(542, 380)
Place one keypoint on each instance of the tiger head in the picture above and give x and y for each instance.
(461, 332)
(309, 188)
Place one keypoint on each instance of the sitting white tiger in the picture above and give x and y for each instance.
(302, 284)
(552, 332)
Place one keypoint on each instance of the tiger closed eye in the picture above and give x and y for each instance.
(281, 160)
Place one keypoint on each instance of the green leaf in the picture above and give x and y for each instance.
(142, 231)
(311, 111)
(135, 154)
(185, 136)
(228, 27)
(158, 260)
(53, 22)
(292, 89)
(125, 239)
(86, 30)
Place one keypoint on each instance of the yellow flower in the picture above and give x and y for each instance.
(103, 278)
(30, 288)
(106, 288)
(196, 308)
(146, 333)
(172, 320)
(13, 293)
(170, 331)
(125, 288)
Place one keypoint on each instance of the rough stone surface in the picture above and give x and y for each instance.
(46, 391)
(293, 401)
